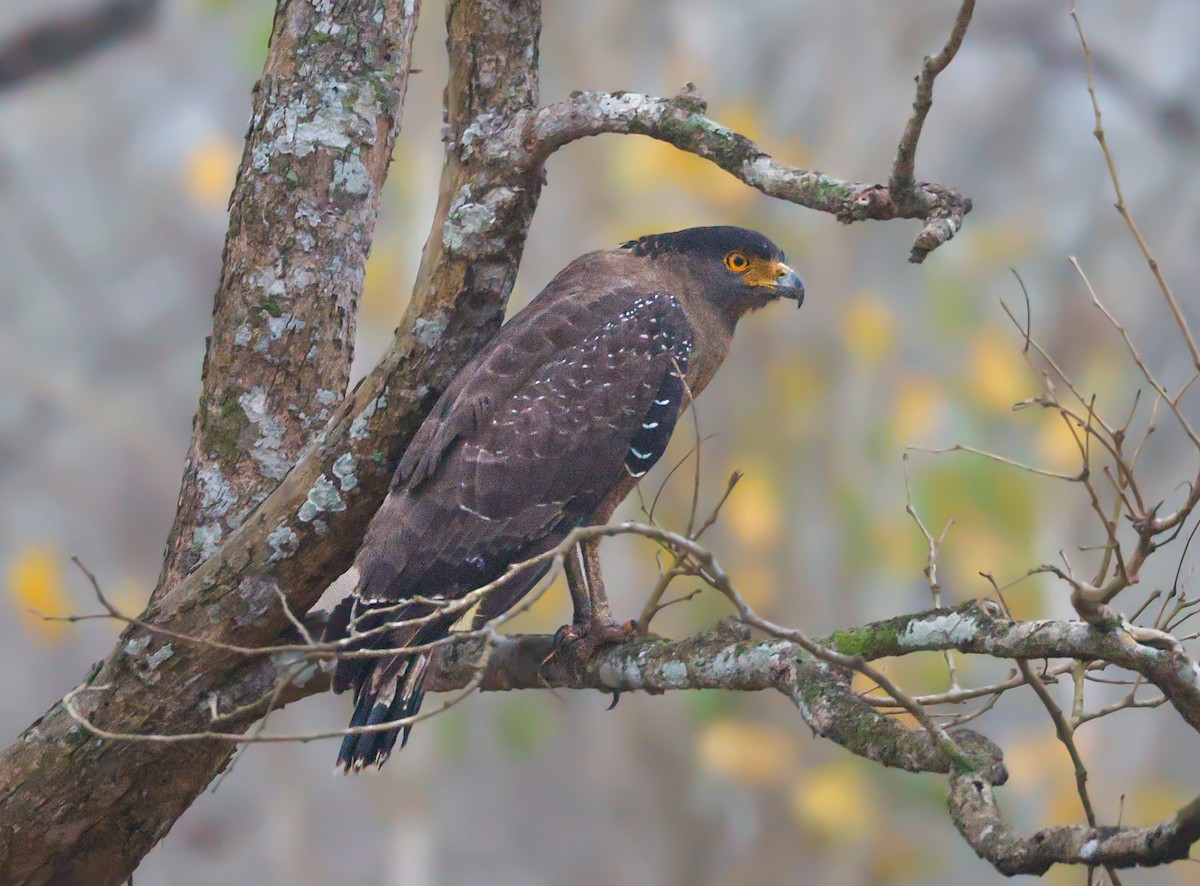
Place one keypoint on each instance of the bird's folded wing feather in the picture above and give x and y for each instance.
(530, 438)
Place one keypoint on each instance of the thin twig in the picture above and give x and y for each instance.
(1066, 736)
(902, 181)
(991, 456)
(652, 606)
(68, 703)
(931, 566)
(1180, 321)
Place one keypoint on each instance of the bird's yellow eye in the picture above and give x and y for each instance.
(736, 262)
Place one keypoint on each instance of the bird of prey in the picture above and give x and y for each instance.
(548, 428)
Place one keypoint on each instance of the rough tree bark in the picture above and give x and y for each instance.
(305, 533)
(326, 114)
(252, 537)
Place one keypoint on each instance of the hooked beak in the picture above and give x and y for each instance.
(789, 284)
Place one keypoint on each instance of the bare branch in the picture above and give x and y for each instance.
(66, 39)
(961, 695)
(721, 659)
(991, 456)
(933, 544)
(653, 602)
(973, 808)
(1172, 402)
(976, 628)
(239, 738)
(316, 156)
(1066, 735)
(680, 121)
(901, 184)
(1151, 261)
(814, 673)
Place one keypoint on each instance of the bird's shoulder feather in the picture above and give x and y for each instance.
(587, 300)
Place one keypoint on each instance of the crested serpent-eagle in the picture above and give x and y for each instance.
(548, 428)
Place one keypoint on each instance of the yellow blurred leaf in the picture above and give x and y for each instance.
(868, 328)
(835, 802)
(758, 583)
(970, 550)
(35, 581)
(546, 613)
(920, 408)
(641, 164)
(746, 753)
(1040, 766)
(895, 859)
(978, 550)
(899, 546)
(383, 289)
(744, 119)
(129, 595)
(889, 666)
(753, 510)
(1057, 448)
(862, 683)
(1000, 243)
(1025, 758)
(1155, 800)
(799, 385)
(996, 375)
(209, 171)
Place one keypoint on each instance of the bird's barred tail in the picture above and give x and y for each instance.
(386, 688)
(392, 689)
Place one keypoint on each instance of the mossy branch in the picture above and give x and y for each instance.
(681, 121)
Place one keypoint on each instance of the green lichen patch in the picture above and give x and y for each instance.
(222, 432)
(867, 642)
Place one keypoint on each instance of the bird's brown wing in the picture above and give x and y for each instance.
(551, 416)
(553, 322)
(570, 396)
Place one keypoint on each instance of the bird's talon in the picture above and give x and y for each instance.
(593, 635)
(566, 634)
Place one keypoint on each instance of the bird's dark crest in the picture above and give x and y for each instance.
(714, 240)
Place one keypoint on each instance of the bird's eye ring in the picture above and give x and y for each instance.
(737, 262)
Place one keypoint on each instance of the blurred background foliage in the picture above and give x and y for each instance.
(115, 175)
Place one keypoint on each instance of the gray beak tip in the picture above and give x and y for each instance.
(792, 287)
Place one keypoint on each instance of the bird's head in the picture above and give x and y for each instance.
(736, 270)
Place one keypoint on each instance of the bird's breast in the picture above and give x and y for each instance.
(711, 348)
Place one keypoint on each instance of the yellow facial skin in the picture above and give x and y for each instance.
(757, 271)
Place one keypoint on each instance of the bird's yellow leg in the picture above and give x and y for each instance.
(577, 583)
(589, 551)
(593, 619)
